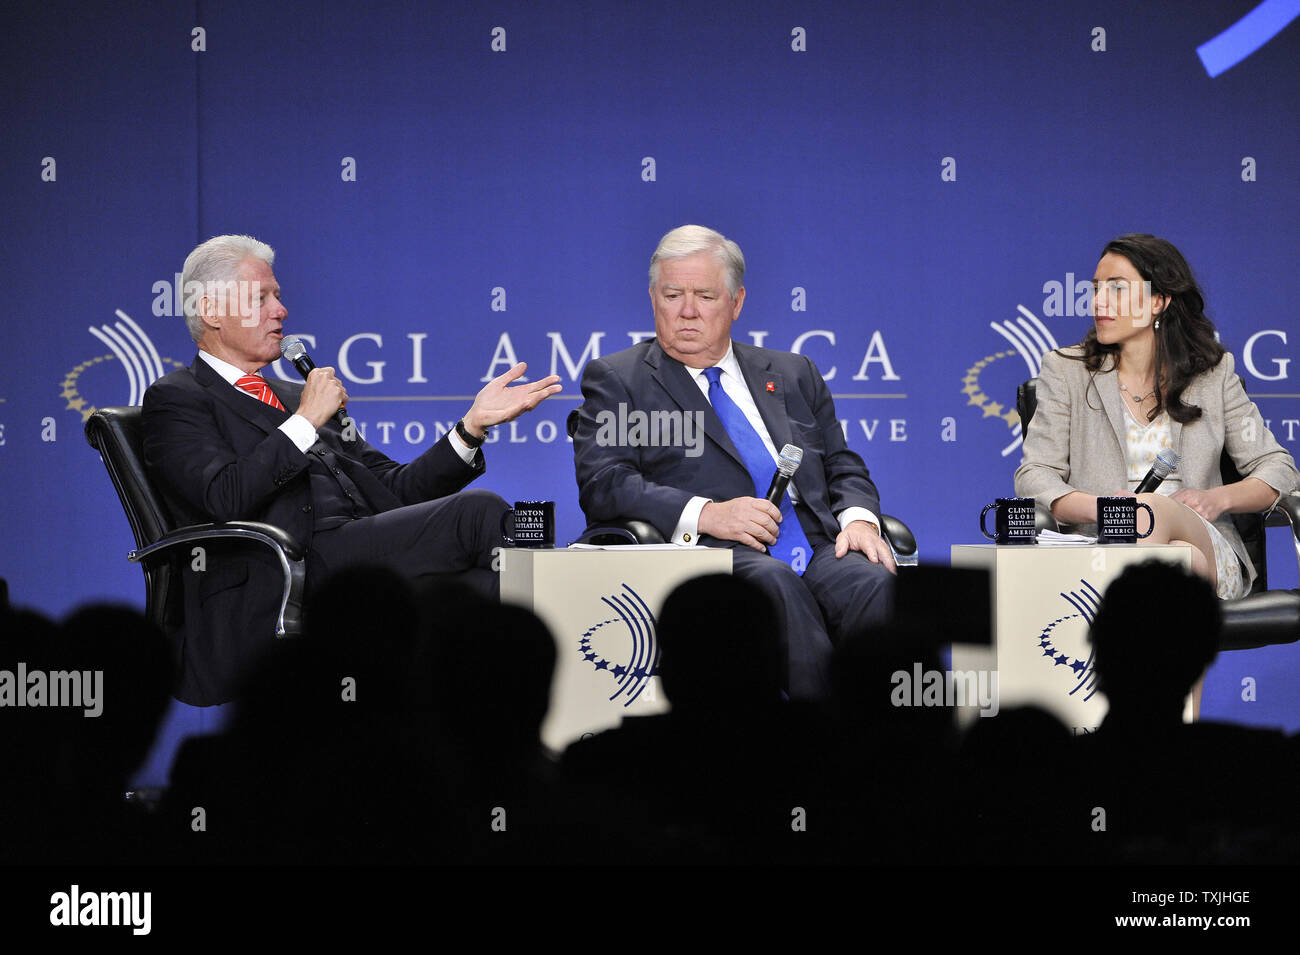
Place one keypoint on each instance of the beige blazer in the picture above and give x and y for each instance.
(1077, 438)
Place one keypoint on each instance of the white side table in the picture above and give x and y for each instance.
(601, 605)
(1043, 602)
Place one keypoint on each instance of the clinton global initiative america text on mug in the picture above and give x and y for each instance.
(1013, 521)
(1117, 520)
(533, 524)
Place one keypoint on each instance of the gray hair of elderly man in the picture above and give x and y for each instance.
(688, 240)
(216, 260)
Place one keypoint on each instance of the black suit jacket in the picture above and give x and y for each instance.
(216, 455)
(655, 483)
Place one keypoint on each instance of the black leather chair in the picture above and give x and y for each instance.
(161, 547)
(634, 531)
(1263, 616)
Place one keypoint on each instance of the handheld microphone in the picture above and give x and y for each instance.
(791, 458)
(1166, 463)
(293, 349)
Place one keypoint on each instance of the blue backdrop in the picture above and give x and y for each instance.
(451, 185)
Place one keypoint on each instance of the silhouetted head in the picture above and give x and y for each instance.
(490, 676)
(1155, 633)
(719, 645)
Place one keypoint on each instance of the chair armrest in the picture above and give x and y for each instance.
(900, 539)
(1271, 616)
(1043, 518)
(622, 531)
(630, 531)
(1285, 512)
(1260, 620)
(286, 549)
(274, 537)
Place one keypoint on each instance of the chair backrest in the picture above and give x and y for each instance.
(1026, 402)
(1249, 526)
(117, 434)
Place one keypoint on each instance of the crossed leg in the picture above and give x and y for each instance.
(1177, 523)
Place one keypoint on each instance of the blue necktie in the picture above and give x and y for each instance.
(791, 544)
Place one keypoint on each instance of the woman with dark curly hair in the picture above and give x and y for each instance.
(1150, 375)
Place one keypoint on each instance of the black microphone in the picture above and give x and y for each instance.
(293, 349)
(1166, 463)
(791, 458)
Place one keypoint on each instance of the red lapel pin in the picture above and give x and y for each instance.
(771, 386)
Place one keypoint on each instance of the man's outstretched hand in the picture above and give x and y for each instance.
(498, 403)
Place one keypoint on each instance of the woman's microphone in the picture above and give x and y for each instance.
(1166, 463)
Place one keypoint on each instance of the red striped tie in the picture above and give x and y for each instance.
(256, 386)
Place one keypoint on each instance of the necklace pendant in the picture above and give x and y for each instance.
(1137, 399)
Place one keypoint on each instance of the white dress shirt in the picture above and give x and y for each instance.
(297, 428)
(687, 531)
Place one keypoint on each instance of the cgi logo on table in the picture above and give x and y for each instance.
(629, 650)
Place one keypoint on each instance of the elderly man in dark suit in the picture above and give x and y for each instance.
(820, 555)
(222, 443)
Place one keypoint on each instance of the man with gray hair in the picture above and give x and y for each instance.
(820, 553)
(223, 443)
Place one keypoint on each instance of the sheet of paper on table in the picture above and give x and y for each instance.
(1052, 538)
(637, 547)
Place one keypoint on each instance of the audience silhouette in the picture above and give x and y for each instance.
(404, 726)
(1172, 791)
